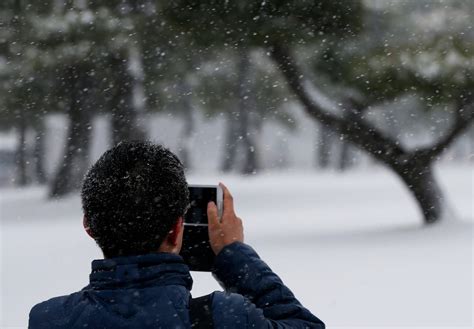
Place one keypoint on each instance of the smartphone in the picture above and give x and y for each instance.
(196, 250)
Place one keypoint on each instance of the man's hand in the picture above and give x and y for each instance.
(229, 228)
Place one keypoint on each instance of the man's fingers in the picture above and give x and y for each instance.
(212, 214)
(229, 229)
(228, 200)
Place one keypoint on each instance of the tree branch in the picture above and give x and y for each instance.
(294, 78)
(464, 116)
(357, 131)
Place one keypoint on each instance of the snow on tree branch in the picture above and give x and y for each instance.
(463, 117)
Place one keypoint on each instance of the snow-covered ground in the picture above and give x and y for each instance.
(351, 247)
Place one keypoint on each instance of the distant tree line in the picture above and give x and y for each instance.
(341, 61)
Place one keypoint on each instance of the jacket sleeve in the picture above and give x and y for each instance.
(268, 302)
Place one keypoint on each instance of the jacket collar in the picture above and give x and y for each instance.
(159, 269)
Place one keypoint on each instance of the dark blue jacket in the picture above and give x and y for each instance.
(152, 291)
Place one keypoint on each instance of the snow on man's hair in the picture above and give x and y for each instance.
(132, 196)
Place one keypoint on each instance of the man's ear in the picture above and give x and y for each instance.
(86, 227)
(175, 235)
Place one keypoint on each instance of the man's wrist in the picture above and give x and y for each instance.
(230, 245)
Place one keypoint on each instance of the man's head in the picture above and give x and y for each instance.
(132, 197)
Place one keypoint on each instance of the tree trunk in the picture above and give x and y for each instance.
(184, 148)
(38, 154)
(231, 142)
(82, 155)
(325, 147)
(470, 149)
(70, 171)
(422, 184)
(66, 179)
(124, 116)
(251, 164)
(245, 107)
(345, 160)
(21, 158)
(352, 112)
(240, 145)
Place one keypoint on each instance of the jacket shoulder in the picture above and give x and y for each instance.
(51, 311)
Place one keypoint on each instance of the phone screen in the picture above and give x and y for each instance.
(199, 197)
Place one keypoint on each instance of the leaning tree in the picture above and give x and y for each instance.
(283, 28)
(372, 74)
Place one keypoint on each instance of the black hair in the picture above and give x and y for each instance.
(132, 196)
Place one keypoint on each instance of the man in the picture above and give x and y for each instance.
(134, 199)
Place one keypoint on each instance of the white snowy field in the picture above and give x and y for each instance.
(352, 247)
